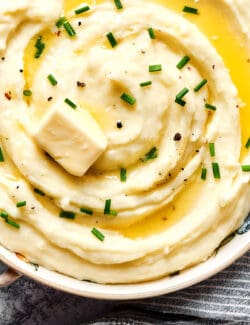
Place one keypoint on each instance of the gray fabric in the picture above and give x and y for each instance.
(223, 299)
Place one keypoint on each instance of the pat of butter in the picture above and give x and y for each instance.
(72, 137)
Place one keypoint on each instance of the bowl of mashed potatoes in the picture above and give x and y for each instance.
(125, 143)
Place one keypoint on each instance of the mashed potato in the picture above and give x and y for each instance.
(173, 181)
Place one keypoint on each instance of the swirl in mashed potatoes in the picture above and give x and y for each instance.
(170, 185)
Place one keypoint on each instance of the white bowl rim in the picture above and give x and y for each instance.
(226, 256)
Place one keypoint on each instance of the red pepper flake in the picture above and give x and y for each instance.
(213, 66)
(8, 95)
(189, 68)
(58, 33)
(21, 257)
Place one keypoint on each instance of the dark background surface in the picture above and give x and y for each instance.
(222, 299)
(27, 302)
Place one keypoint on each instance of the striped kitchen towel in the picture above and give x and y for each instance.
(223, 299)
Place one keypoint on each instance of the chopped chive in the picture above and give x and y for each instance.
(151, 33)
(60, 21)
(182, 93)
(200, 85)
(216, 170)
(128, 99)
(203, 174)
(155, 68)
(123, 175)
(81, 10)
(87, 211)
(111, 39)
(69, 29)
(37, 191)
(98, 234)
(247, 144)
(21, 204)
(4, 215)
(40, 46)
(67, 214)
(113, 213)
(190, 10)
(210, 107)
(245, 168)
(52, 80)
(152, 154)
(107, 206)
(1, 155)
(12, 223)
(180, 101)
(212, 149)
(183, 62)
(146, 83)
(27, 92)
(70, 103)
(118, 4)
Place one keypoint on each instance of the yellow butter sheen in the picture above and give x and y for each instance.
(230, 44)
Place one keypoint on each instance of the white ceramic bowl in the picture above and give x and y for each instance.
(225, 256)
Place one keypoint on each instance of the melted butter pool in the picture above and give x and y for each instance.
(216, 23)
